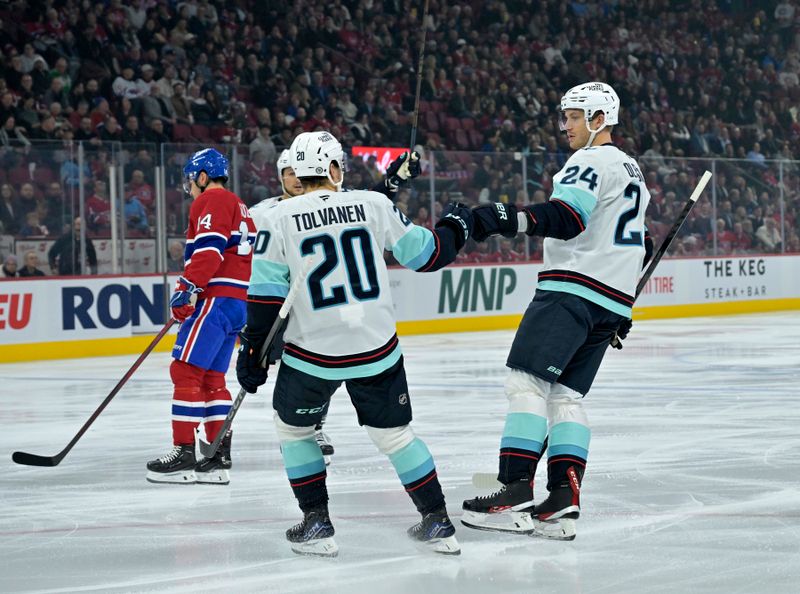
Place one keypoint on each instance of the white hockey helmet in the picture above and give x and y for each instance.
(312, 153)
(283, 162)
(592, 97)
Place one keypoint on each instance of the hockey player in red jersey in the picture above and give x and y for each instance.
(210, 302)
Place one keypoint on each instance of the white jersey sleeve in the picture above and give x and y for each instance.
(605, 191)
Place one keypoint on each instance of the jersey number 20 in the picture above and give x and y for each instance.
(337, 295)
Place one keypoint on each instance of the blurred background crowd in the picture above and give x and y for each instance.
(141, 83)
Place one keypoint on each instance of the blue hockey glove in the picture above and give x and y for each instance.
(457, 217)
(249, 371)
(495, 219)
(621, 334)
(183, 299)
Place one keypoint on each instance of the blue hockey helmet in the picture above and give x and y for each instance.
(210, 160)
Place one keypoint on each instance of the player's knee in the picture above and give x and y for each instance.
(288, 432)
(525, 391)
(390, 440)
(214, 381)
(186, 375)
(565, 405)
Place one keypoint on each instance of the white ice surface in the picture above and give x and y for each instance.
(693, 482)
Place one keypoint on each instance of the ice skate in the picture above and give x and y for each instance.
(506, 510)
(214, 470)
(555, 517)
(314, 535)
(175, 467)
(435, 532)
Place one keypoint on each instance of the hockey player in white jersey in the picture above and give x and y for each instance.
(404, 168)
(594, 250)
(342, 330)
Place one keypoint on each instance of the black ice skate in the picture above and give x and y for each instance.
(507, 510)
(314, 535)
(324, 443)
(555, 517)
(175, 467)
(436, 532)
(214, 470)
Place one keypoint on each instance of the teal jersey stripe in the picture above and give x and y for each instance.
(586, 293)
(298, 472)
(414, 248)
(412, 462)
(345, 373)
(269, 278)
(568, 450)
(581, 200)
(521, 444)
(525, 426)
(300, 452)
(569, 433)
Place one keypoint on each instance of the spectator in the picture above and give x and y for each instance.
(64, 256)
(31, 266)
(181, 105)
(109, 131)
(742, 240)
(156, 133)
(9, 269)
(9, 210)
(175, 261)
(33, 227)
(769, 236)
(98, 208)
(131, 132)
(263, 143)
(140, 189)
(135, 214)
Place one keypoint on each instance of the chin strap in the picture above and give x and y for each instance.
(593, 133)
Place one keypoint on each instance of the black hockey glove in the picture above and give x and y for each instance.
(402, 169)
(495, 219)
(621, 334)
(249, 371)
(457, 217)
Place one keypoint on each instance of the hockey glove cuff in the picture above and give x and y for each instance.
(495, 219)
(459, 218)
(249, 371)
(183, 299)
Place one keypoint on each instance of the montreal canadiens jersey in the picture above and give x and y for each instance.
(342, 322)
(604, 188)
(219, 244)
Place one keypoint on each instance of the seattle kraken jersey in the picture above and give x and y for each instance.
(342, 322)
(604, 188)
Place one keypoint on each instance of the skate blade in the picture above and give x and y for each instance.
(442, 546)
(562, 529)
(508, 521)
(321, 547)
(214, 477)
(181, 477)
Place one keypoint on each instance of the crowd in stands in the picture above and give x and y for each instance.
(696, 79)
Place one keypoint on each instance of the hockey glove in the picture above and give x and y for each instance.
(621, 334)
(249, 371)
(457, 217)
(495, 219)
(183, 299)
(402, 169)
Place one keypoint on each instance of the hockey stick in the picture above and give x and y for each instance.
(419, 79)
(34, 460)
(485, 480)
(209, 449)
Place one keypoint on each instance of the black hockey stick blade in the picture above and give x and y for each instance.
(34, 460)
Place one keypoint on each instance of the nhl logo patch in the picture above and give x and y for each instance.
(320, 170)
(403, 399)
